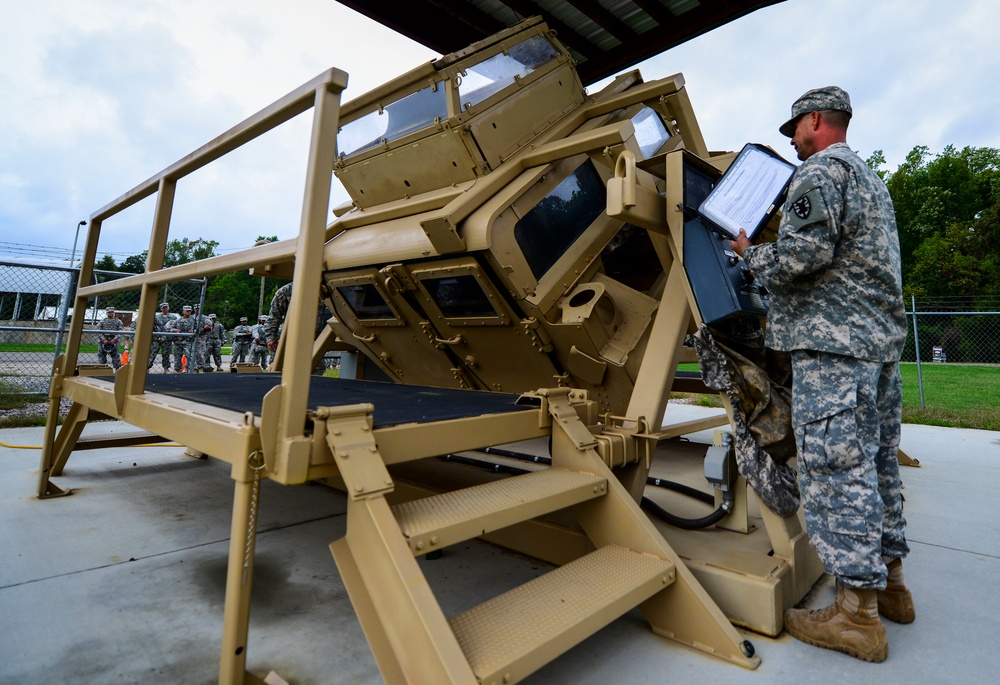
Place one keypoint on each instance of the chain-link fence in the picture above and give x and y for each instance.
(953, 344)
(35, 314)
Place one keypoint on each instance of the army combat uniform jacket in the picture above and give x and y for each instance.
(836, 238)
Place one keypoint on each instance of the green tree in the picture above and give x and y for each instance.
(106, 263)
(134, 264)
(946, 211)
(184, 250)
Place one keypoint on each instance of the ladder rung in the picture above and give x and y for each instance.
(511, 636)
(441, 520)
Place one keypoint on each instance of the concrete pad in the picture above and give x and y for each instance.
(123, 581)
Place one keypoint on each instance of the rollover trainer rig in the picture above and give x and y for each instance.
(514, 262)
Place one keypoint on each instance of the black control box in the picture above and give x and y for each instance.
(722, 284)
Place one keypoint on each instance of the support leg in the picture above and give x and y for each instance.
(239, 579)
(46, 488)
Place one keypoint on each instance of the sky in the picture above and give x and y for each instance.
(100, 95)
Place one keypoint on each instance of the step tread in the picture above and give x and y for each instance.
(532, 624)
(119, 437)
(434, 513)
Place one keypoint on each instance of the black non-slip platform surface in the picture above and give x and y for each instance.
(395, 404)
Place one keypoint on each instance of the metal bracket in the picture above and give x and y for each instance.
(349, 435)
(619, 445)
(558, 404)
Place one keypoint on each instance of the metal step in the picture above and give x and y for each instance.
(435, 522)
(507, 638)
(100, 441)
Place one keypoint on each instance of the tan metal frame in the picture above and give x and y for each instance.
(340, 443)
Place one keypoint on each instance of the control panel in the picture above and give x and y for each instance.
(723, 286)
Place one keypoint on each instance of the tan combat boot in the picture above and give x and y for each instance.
(850, 625)
(895, 602)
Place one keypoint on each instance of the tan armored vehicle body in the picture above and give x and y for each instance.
(514, 260)
(478, 252)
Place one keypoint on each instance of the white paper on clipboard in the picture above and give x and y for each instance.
(747, 194)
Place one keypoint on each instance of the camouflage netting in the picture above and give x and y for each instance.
(758, 382)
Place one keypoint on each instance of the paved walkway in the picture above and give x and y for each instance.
(123, 581)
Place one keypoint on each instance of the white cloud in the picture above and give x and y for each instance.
(101, 95)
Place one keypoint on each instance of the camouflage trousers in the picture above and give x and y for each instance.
(240, 349)
(160, 347)
(181, 346)
(213, 352)
(258, 355)
(847, 414)
(106, 350)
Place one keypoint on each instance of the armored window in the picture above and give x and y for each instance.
(459, 296)
(650, 132)
(406, 115)
(551, 226)
(366, 302)
(630, 258)
(496, 73)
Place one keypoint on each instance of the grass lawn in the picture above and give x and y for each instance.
(956, 395)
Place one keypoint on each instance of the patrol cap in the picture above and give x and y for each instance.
(816, 100)
(109, 309)
(197, 306)
(243, 318)
(211, 316)
(163, 304)
(186, 308)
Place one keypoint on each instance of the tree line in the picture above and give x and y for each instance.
(229, 295)
(948, 216)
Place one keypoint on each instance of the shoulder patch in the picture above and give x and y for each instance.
(802, 207)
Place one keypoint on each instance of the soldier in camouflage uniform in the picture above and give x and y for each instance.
(837, 306)
(182, 345)
(276, 317)
(216, 339)
(161, 343)
(107, 343)
(258, 343)
(203, 327)
(241, 342)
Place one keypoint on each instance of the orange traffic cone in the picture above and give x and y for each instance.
(125, 354)
(184, 362)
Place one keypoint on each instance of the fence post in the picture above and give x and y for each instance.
(916, 345)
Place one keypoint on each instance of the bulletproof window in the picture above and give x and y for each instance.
(395, 120)
(650, 132)
(492, 75)
(459, 296)
(551, 226)
(366, 302)
(630, 258)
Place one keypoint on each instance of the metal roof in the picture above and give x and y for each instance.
(605, 36)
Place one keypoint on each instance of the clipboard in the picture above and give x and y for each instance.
(749, 193)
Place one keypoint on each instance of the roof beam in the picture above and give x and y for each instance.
(605, 19)
(566, 35)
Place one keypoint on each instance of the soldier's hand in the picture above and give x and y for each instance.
(272, 345)
(741, 243)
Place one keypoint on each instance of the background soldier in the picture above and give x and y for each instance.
(258, 346)
(276, 317)
(161, 343)
(216, 339)
(203, 326)
(182, 344)
(107, 343)
(241, 342)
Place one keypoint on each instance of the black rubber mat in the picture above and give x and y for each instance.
(394, 404)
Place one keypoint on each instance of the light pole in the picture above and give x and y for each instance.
(69, 291)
